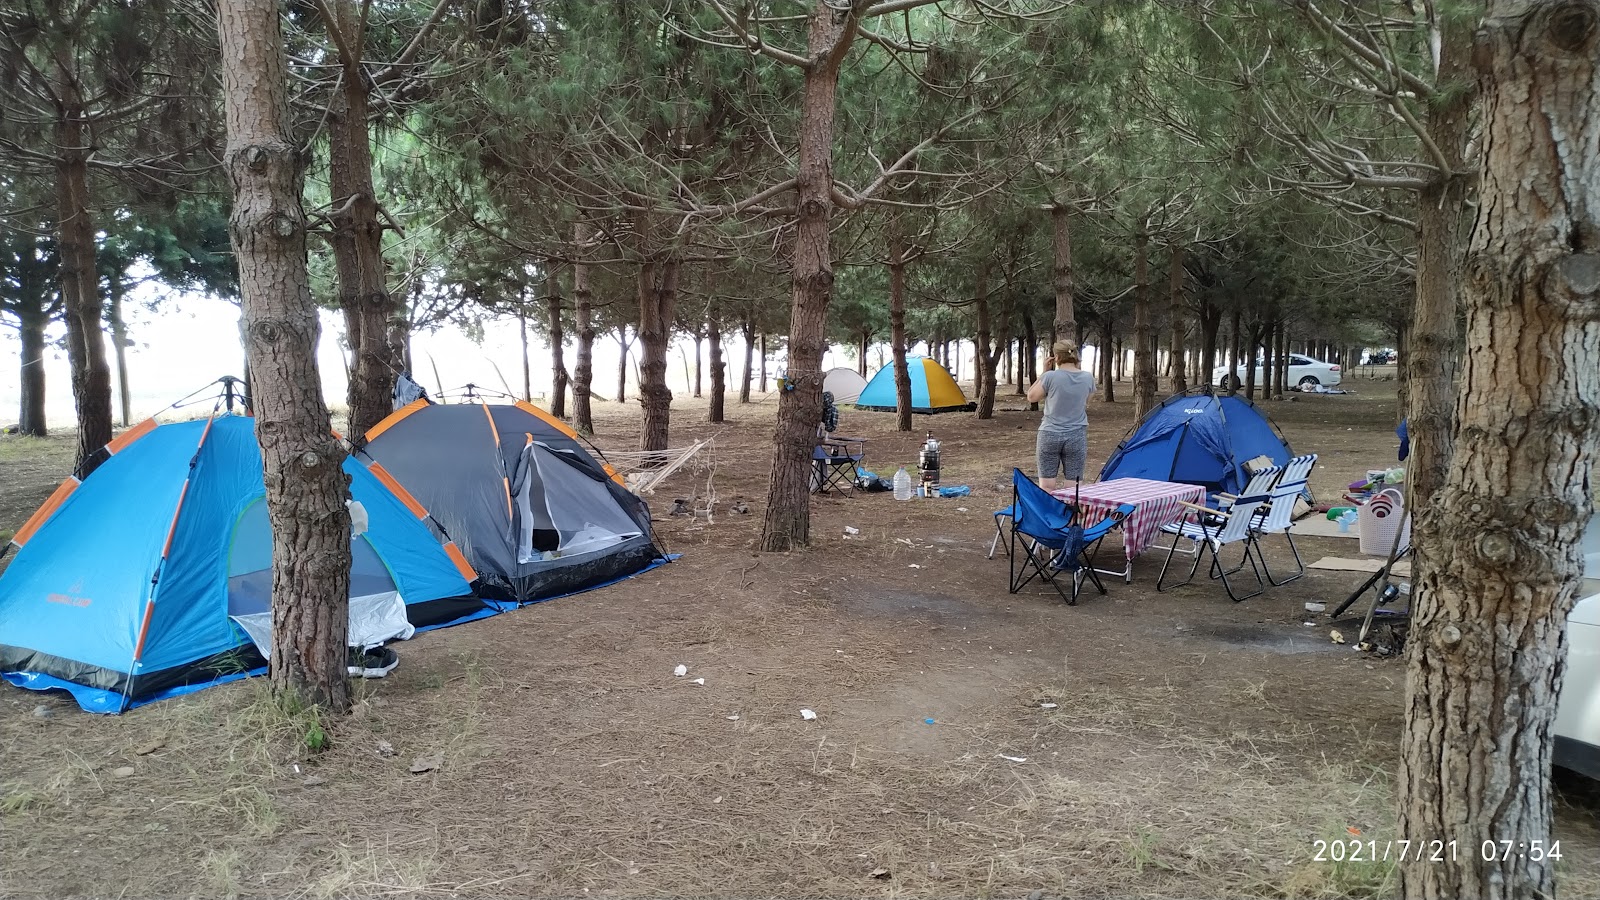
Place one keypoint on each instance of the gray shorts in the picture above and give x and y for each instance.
(1064, 452)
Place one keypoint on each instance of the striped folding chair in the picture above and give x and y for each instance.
(1211, 530)
(1278, 515)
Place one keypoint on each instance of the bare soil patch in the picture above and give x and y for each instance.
(1194, 748)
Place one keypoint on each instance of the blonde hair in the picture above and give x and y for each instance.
(1064, 352)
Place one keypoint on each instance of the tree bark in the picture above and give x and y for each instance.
(119, 347)
(763, 385)
(31, 331)
(527, 366)
(788, 519)
(897, 328)
(1061, 268)
(558, 348)
(861, 356)
(748, 329)
(1488, 642)
(357, 238)
(1108, 391)
(1144, 330)
(306, 486)
(583, 315)
(983, 355)
(1433, 345)
(1234, 336)
(622, 365)
(697, 366)
(719, 371)
(80, 278)
(658, 296)
(1179, 320)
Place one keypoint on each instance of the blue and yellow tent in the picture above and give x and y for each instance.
(932, 389)
(125, 585)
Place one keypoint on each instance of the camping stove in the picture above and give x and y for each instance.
(928, 463)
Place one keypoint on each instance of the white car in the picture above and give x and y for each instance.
(1577, 728)
(1304, 372)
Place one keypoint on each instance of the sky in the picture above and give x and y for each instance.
(194, 340)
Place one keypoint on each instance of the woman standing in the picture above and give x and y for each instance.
(1064, 389)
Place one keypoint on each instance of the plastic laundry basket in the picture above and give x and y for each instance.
(1380, 519)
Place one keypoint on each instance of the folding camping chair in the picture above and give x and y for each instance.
(835, 460)
(1278, 515)
(1213, 529)
(1000, 515)
(1045, 541)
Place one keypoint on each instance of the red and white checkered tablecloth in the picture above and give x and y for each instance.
(1155, 504)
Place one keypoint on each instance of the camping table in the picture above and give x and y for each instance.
(1155, 503)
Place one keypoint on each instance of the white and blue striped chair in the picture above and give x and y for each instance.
(1278, 515)
(1210, 530)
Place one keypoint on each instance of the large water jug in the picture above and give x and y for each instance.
(902, 485)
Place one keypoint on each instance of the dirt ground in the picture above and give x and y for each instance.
(1195, 748)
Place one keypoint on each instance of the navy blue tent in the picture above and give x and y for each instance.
(1198, 438)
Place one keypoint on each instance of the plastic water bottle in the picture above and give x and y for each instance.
(902, 485)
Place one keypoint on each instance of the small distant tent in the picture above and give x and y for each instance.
(844, 384)
(153, 575)
(535, 512)
(1198, 437)
(932, 389)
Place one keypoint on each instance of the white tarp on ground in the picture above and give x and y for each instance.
(374, 618)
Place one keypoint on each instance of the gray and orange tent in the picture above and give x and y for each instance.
(536, 511)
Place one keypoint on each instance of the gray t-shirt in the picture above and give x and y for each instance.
(1066, 399)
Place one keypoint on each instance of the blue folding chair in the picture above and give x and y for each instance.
(1047, 539)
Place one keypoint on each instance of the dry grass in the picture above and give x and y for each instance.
(1194, 750)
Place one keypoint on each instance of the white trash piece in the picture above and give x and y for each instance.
(681, 671)
(807, 714)
(1014, 758)
(850, 529)
(699, 681)
(358, 517)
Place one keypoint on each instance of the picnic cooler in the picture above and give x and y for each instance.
(1380, 519)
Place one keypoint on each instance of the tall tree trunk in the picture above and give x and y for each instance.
(527, 365)
(1252, 356)
(80, 278)
(788, 520)
(1179, 320)
(1432, 344)
(357, 233)
(1144, 330)
(1269, 358)
(658, 296)
(897, 328)
(583, 319)
(1234, 336)
(558, 342)
(719, 371)
(1061, 267)
(763, 385)
(1488, 641)
(119, 346)
(622, 363)
(33, 318)
(306, 486)
(861, 356)
(748, 329)
(1108, 391)
(697, 366)
(357, 239)
(983, 357)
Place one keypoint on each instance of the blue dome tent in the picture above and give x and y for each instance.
(1199, 438)
(152, 576)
